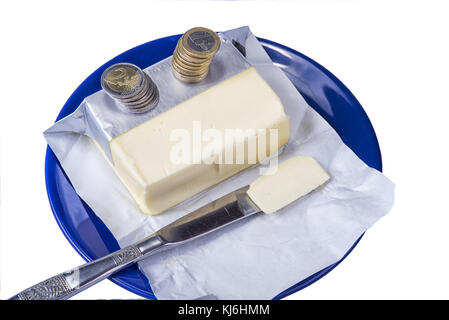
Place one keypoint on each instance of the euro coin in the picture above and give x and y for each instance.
(200, 42)
(194, 53)
(131, 87)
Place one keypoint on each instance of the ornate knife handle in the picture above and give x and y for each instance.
(69, 283)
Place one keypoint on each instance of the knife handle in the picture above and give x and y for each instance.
(69, 283)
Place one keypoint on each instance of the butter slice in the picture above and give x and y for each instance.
(142, 156)
(293, 179)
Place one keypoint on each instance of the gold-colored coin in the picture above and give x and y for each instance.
(189, 66)
(200, 42)
(184, 57)
(187, 72)
(183, 53)
(190, 79)
(194, 53)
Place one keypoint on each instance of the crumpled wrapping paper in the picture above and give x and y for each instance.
(259, 257)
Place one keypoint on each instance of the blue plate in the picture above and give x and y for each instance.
(322, 91)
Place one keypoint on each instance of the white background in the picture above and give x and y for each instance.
(393, 55)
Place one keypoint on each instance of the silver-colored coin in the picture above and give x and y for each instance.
(144, 106)
(150, 95)
(144, 100)
(148, 104)
(142, 109)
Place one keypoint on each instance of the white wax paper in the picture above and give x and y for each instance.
(259, 257)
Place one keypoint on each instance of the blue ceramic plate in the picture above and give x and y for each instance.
(323, 91)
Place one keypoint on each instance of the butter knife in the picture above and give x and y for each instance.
(293, 179)
(217, 214)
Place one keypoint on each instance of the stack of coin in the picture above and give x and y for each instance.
(132, 87)
(194, 53)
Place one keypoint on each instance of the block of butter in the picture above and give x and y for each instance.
(293, 179)
(199, 142)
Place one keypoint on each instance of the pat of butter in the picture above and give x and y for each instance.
(143, 157)
(293, 179)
